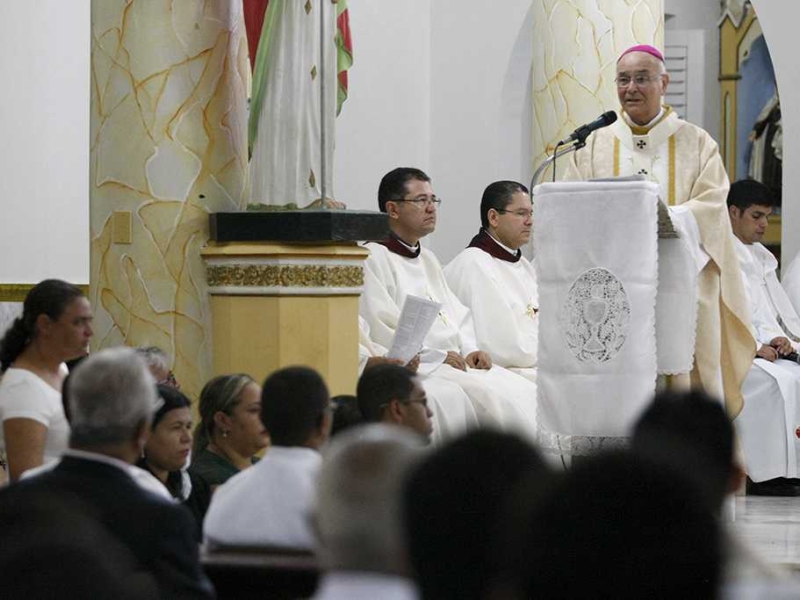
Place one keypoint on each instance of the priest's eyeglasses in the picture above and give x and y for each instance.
(639, 81)
(521, 213)
(422, 201)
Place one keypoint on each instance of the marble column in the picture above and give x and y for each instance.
(168, 146)
(576, 46)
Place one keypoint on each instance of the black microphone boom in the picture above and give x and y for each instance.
(582, 132)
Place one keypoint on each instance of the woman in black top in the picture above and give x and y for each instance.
(167, 451)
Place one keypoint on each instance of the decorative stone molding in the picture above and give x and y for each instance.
(281, 278)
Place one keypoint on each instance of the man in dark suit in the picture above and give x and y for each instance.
(112, 397)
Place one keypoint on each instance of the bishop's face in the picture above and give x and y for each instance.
(641, 86)
(750, 224)
(413, 216)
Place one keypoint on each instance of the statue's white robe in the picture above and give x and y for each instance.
(500, 398)
(768, 424)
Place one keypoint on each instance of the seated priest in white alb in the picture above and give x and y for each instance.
(497, 283)
(452, 409)
(770, 421)
(650, 139)
(399, 267)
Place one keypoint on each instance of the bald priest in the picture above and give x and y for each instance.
(651, 140)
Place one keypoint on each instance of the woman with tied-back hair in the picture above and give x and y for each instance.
(230, 431)
(55, 327)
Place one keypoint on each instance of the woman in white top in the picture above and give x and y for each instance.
(55, 326)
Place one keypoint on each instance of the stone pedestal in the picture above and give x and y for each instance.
(275, 305)
(284, 289)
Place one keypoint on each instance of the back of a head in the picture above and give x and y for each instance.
(380, 384)
(294, 401)
(393, 184)
(498, 195)
(616, 526)
(111, 394)
(692, 433)
(452, 504)
(346, 413)
(49, 297)
(748, 192)
(358, 498)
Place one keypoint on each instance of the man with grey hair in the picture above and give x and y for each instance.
(159, 364)
(357, 515)
(112, 397)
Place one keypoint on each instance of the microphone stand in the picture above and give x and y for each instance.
(574, 146)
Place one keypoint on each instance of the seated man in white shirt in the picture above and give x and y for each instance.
(449, 404)
(497, 283)
(771, 415)
(392, 394)
(358, 517)
(399, 267)
(269, 504)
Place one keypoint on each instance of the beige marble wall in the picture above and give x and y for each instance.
(576, 45)
(168, 146)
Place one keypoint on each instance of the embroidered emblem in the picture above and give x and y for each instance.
(531, 311)
(641, 144)
(595, 316)
(642, 171)
(797, 433)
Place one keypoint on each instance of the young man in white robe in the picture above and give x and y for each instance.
(452, 410)
(650, 139)
(497, 283)
(769, 424)
(399, 267)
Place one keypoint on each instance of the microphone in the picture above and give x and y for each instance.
(582, 132)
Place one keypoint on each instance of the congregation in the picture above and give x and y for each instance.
(436, 479)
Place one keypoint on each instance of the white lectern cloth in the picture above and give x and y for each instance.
(596, 258)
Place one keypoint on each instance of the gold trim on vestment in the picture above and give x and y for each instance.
(616, 157)
(672, 170)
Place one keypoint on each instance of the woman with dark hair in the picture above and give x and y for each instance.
(167, 451)
(55, 327)
(230, 431)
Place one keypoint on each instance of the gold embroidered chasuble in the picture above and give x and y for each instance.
(684, 161)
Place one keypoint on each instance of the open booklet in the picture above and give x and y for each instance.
(416, 319)
(665, 227)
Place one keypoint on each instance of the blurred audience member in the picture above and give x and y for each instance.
(390, 393)
(55, 327)
(159, 364)
(230, 432)
(452, 504)
(616, 526)
(50, 548)
(691, 433)
(270, 504)
(346, 413)
(112, 400)
(357, 515)
(167, 450)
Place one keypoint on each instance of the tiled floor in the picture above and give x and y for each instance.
(771, 526)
